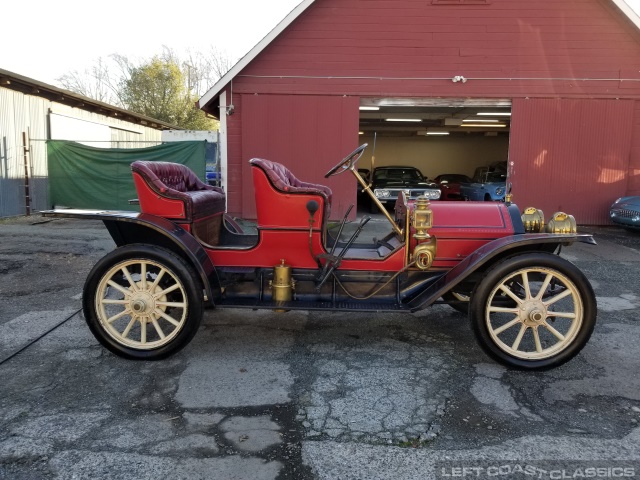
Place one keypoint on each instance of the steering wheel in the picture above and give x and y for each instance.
(347, 162)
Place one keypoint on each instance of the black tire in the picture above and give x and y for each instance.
(534, 339)
(163, 310)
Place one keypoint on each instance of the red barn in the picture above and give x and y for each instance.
(550, 86)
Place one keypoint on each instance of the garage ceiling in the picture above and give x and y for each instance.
(415, 117)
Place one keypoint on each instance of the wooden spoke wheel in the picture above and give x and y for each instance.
(142, 302)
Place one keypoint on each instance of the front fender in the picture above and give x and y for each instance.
(128, 228)
(486, 255)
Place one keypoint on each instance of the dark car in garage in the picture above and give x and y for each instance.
(388, 182)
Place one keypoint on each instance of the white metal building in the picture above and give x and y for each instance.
(32, 112)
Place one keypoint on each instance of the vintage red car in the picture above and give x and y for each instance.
(529, 307)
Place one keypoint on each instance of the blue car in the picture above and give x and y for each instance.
(488, 184)
(625, 211)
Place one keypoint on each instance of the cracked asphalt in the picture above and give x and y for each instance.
(304, 395)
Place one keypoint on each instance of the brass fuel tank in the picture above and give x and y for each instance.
(282, 285)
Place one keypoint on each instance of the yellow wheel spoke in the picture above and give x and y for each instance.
(172, 304)
(126, 311)
(557, 298)
(134, 287)
(143, 330)
(129, 327)
(509, 293)
(536, 338)
(172, 321)
(121, 289)
(109, 301)
(503, 310)
(158, 329)
(555, 332)
(525, 284)
(143, 275)
(543, 287)
(507, 326)
(167, 290)
(521, 333)
(157, 280)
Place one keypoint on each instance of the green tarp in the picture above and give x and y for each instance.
(100, 178)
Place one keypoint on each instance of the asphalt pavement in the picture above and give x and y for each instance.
(304, 395)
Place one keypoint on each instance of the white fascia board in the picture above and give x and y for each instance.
(628, 11)
(254, 52)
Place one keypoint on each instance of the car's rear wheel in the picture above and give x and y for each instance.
(533, 311)
(142, 302)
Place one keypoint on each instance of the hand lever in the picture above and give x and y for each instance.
(334, 261)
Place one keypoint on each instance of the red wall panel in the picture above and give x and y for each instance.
(545, 49)
(308, 134)
(570, 155)
(633, 187)
(507, 48)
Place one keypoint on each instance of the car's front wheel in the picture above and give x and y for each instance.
(142, 302)
(533, 311)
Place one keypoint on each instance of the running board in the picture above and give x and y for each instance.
(307, 305)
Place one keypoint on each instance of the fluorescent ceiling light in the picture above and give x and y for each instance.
(403, 119)
(369, 108)
(484, 125)
(494, 114)
(360, 133)
(480, 120)
(437, 133)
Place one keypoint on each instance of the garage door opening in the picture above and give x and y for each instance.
(448, 140)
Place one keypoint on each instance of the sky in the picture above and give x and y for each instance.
(44, 39)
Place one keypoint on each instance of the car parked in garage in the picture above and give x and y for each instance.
(625, 211)
(449, 184)
(388, 182)
(489, 184)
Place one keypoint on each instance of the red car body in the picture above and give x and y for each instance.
(179, 254)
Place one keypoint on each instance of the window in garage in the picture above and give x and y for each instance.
(437, 136)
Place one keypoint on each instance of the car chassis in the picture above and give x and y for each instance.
(529, 308)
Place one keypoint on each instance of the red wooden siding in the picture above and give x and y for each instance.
(308, 134)
(289, 104)
(570, 155)
(413, 48)
(633, 187)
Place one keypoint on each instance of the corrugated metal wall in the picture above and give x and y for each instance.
(570, 155)
(26, 113)
(308, 134)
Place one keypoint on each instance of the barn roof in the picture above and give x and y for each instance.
(214, 91)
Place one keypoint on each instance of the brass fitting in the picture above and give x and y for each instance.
(533, 220)
(562, 223)
(282, 285)
(425, 253)
(422, 218)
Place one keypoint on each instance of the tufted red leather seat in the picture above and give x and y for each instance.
(282, 178)
(283, 203)
(176, 191)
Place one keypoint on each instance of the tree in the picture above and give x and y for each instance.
(165, 87)
(158, 89)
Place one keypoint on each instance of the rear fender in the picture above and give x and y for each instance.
(152, 230)
(127, 228)
(486, 256)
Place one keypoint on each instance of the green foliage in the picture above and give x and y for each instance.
(165, 87)
(158, 89)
